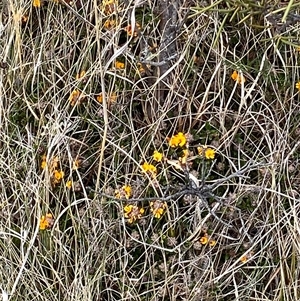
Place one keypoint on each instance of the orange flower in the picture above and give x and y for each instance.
(212, 243)
(238, 78)
(112, 97)
(110, 23)
(109, 6)
(137, 28)
(75, 97)
(58, 175)
(80, 75)
(119, 65)
(204, 240)
(46, 222)
(36, 3)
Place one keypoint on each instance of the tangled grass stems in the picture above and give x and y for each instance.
(63, 232)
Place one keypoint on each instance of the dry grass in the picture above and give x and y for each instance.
(247, 200)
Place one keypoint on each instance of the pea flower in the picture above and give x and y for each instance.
(157, 156)
(150, 169)
(177, 140)
(124, 192)
(46, 221)
(69, 184)
(206, 152)
(119, 65)
(133, 213)
(158, 208)
(238, 78)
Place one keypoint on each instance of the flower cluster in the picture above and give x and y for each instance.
(240, 79)
(130, 32)
(158, 208)
(133, 213)
(46, 221)
(124, 192)
(298, 86)
(56, 174)
(149, 169)
(205, 239)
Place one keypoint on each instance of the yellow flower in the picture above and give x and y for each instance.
(158, 208)
(133, 213)
(36, 3)
(177, 140)
(69, 184)
(238, 78)
(80, 75)
(127, 191)
(149, 168)
(207, 152)
(124, 192)
(119, 65)
(58, 175)
(210, 153)
(157, 156)
(298, 86)
(46, 222)
(44, 162)
(204, 240)
(212, 243)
